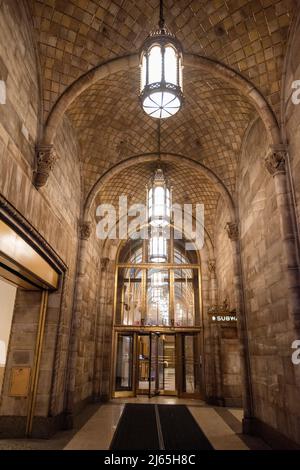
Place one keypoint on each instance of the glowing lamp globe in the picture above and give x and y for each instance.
(161, 66)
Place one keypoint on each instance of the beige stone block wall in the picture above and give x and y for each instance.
(230, 360)
(85, 329)
(21, 347)
(291, 112)
(231, 368)
(274, 382)
(18, 69)
(223, 254)
(54, 211)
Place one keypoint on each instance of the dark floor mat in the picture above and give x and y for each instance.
(180, 430)
(137, 429)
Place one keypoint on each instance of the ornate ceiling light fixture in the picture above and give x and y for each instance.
(161, 72)
(159, 210)
(159, 193)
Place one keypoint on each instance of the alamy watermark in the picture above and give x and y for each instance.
(132, 221)
(296, 353)
(296, 92)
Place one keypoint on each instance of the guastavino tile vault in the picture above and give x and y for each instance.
(149, 224)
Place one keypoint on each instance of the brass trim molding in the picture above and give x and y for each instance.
(22, 259)
(157, 265)
(18, 222)
(157, 329)
(37, 361)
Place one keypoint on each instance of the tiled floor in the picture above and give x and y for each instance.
(222, 429)
(97, 424)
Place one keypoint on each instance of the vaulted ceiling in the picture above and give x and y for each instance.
(77, 35)
(189, 187)
(111, 125)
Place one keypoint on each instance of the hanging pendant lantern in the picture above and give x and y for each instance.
(159, 200)
(158, 252)
(161, 66)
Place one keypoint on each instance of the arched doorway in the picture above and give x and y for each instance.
(157, 328)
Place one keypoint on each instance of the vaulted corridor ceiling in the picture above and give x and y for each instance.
(74, 37)
(95, 307)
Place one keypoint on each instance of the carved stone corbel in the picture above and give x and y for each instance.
(212, 266)
(104, 264)
(275, 160)
(85, 230)
(46, 157)
(232, 231)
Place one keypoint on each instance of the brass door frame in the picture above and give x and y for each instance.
(37, 362)
(181, 358)
(147, 391)
(125, 393)
(138, 390)
(179, 361)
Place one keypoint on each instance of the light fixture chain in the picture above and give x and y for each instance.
(161, 15)
(159, 139)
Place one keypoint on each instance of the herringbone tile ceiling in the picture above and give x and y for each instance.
(76, 35)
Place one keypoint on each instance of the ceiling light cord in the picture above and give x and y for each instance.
(159, 140)
(161, 15)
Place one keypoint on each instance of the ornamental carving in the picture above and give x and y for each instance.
(275, 160)
(46, 158)
(85, 230)
(222, 309)
(104, 264)
(232, 231)
(212, 266)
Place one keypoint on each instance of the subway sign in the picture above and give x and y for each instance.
(223, 318)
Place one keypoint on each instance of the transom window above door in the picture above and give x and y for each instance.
(157, 293)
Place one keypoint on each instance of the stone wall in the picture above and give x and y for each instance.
(223, 254)
(53, 211)
(276, 396)
(226, 343)
(291, 112)
(86, 327)
(20, 110)
(230, 367)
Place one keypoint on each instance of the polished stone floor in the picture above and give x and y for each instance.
(95, 427)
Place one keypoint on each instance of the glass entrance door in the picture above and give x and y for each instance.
(190, 366)
(124, 365)
(154, 380)
(167, 365)
(157, 364)
(143, 358)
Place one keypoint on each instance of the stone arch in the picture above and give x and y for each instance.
(190, 60)
(166, 157)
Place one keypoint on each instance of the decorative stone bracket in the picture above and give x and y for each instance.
(85, 230)
(46, 158)
(104, 264)
(275, 160)
(232, 231)
(211, 266)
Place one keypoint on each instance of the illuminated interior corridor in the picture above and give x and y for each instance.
(149, 224)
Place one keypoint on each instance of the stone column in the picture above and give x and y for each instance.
(275, 162)
(46, 158)
(84, 235)
(233, 234)
(213, 282)
(100, 333)
(215, 337)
